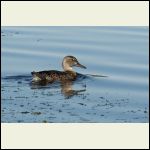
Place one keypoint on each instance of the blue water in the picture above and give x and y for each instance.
(120, 53)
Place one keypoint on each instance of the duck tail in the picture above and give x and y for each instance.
(35, 76)
(33, 72)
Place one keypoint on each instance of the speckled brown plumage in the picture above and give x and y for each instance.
(54, 75)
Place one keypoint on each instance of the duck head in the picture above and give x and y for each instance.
(69, 62)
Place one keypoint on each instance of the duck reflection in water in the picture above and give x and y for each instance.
(68, 91)
(66, 88)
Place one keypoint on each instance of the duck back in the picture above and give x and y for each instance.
(53, 75)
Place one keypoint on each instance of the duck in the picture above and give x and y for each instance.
(49, 76)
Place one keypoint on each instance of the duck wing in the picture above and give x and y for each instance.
(49, 75)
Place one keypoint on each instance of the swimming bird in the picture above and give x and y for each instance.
(50, 76)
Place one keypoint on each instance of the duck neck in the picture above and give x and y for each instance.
(69, 70)
(66, 66)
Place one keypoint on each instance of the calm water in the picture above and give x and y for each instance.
(121, 53)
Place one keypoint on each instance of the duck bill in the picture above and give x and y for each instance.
(81, 66)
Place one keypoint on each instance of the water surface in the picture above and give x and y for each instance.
(120, 53)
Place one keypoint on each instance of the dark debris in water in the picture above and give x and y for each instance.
(25, 112)
(20, 121)
(19, 82)
(38, 40)
(9, 33)
(21, 97)
(15, 91)
(36, 113)
(101, 97)
(82, 104)
(59, 110)
(45, 121)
